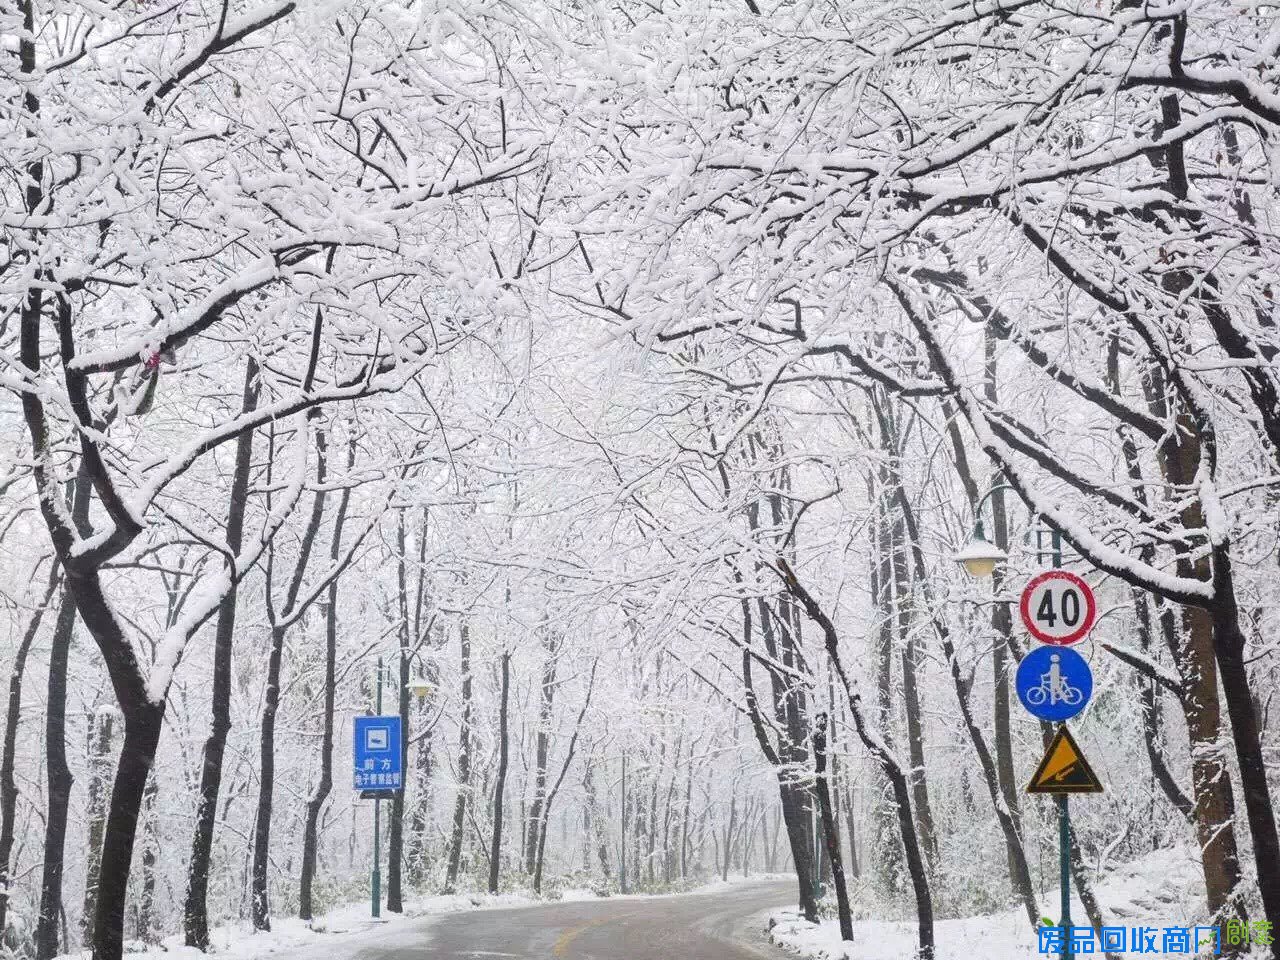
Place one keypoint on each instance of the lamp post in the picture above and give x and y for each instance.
(420, 687)
(980, 556)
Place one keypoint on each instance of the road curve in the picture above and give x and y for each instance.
(726, 925)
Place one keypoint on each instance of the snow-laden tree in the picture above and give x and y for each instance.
(196, 187)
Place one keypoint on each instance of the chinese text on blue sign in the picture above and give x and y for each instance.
(376, 754)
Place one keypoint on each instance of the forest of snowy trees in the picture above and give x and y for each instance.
(623, 378)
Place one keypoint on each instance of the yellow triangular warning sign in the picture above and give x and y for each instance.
(1064, 768)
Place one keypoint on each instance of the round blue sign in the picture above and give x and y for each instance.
(1054, 683)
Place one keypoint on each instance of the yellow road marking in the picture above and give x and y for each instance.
(561, 949)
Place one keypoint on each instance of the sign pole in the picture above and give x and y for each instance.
(377, 818)
(1064, 816)
(1064, 844)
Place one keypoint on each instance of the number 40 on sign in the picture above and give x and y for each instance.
(1058, 608)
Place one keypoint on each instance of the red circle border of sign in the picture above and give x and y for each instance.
(1090, 605)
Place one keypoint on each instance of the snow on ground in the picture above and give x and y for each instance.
(1160, 890)
(345, 930)
(340, 932)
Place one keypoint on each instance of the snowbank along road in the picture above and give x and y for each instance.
(726, 925)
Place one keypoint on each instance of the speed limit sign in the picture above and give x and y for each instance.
(1058, 607)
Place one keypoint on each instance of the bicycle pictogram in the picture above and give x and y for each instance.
(1054, 683)
(1054, 688)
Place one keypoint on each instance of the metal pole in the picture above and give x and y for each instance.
(1057, 549)
(377, 823)
(1064, 844)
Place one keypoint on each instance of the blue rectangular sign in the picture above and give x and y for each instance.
(375, 754)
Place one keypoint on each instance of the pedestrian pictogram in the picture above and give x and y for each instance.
(1054, 683)
(1058, 607)
(1064, 769)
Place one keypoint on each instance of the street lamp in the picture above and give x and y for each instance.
(980, 556)
(420, 687)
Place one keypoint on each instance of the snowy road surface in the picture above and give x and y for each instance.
(727, 925)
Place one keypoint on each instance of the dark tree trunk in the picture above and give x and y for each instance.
(850, 820)
(888, 764)
(793, 798)
(1001, 614)
(597, 820)
(1194, 653)
(144, 929)
(1181, 454)
(422, 804)
(541, 751)
(310, 831)
(1021, 873)
(195, 913)
(142, 725)
(1151, 714)
(13, 716)
(1229, 644)
(555, 787)
(464, 768)
(829, 831)
(500, 786)
(101, 726)
(911, 705)
(997, 785)
(1213, 808)
(59, 779)
(422, 807)
(887, 863)
(260, 905)
(622, 845)
(395, 838)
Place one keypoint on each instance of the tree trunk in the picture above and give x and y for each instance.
(101, 726)
(144, 929)
(464, 768)
(142, 725)
(792, 797)
(564, 770)
(888, 764)
(911, 706)
(423, 795)
(1194, 656)
(597, 819)
(1151, 714)
(495, 852)
(260, 909)
(1021, 873)
(13, 717)
(395, 838)
(622, 845)
(1229, 644)
(1217, 630)
(59, 779)
(195, 913)
(310, 831)
(888, 860)
(1001, 615)
(829, 831)
(395, 833)
(541, 751)
(855, 870)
